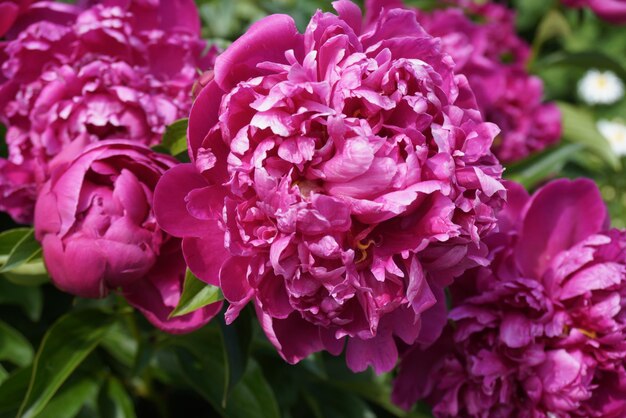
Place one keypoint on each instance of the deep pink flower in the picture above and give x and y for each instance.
(333, 172)
(613, 11)
(482, 41)
(118, 71)
(541, 332)
(98, 232)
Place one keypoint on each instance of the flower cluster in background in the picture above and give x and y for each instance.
(108, 71)
(429, 192)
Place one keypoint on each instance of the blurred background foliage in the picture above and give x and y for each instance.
(64, 357)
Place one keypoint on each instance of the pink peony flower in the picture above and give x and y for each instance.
(98, 232)
(482, 41)
(542, 331)
(339, 179)
(115, 72)
(613, 11)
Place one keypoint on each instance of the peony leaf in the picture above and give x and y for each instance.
(114, 401)
(553, 25)
(29, 298)
(252, 397)
(71, 398)
(196, 294)
(14, 347)
(202, 365)
(579, 126)
(9, 239)
(237, 339)
(548, 163)
(12, 391)
(66, 344)
(4, 149)
(175, 137)
(584, 60)
(25, 250)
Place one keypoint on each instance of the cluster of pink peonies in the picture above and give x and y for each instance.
(482, 41)
(114, 70)
(541, 332)
(84, 91)
(613, 11)
(340, 179)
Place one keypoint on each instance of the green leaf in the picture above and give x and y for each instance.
(12, 391)
(175, 137)
(14, 347)
(579, 126)
(9, 239)
(542, 166)
(4, 149)
(114, 401)
(196, 294)
(584, 60)
(4, 375)
(120, 343)
(201, 364)
(329, 403)
(71, 398)
(198, 353)
(27, 248)
(253, 396)
(237, 338)
(66, 344)
(30, 299)
(553, 25)
(365, 385)
(32, 273)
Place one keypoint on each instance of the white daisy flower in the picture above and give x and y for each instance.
(615, 133)
(600, 87)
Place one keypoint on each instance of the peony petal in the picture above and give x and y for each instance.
(573, 210)
(266, 40)
(379, 352)
(170, 206)
(205, 255)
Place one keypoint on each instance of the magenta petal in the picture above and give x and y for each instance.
(170, 206)
(206, 106)
(266, 40)
(234, 284)
(78, 268)
(205, 256)
(573, 210)
(158, 293)
(273, 297)
(599, 277)
(379, 352)
(47, 219)
(8, 14)
(516, 330)
(181, 15)
(374, 8)
(611, 10)
(293, 337)
(351, 13)
(516, 199)
(433, 319)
